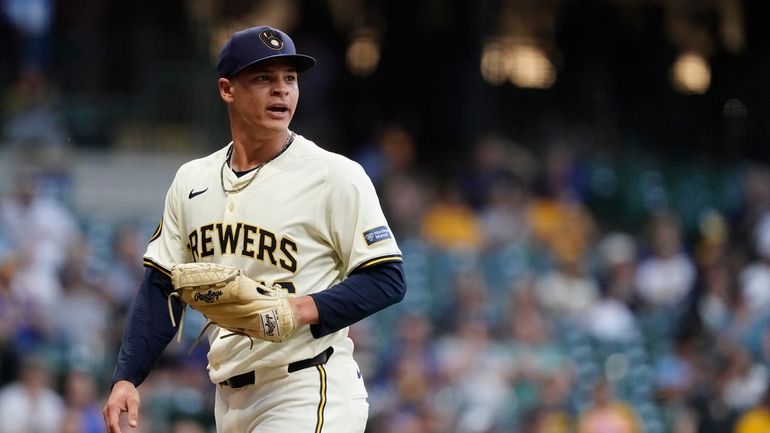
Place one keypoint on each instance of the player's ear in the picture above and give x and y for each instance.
(225, 90)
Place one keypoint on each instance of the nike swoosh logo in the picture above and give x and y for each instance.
(193, 193)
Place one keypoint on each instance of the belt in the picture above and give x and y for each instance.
(249, 378)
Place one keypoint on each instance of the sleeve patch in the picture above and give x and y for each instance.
(377, 234)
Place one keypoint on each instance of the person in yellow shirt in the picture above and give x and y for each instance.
(607, 413)
(756, 419)
(451, 223)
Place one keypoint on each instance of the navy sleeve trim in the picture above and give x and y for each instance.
(151, 264)
(366, 291)
(376, 261)
(148, 329)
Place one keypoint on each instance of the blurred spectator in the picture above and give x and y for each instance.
(406, 422)
(468, 299)
(404, 201)
(611, 318)
(607, 413)
(540, 372)
(709, 410)
(561, 223)
(713, 243)
(762, 349)
(503, 219)
(755, 276)
(756, 419)
(30, 404)
(717, 301)
(408, 372)
(125, 269)
(187, 425)
(616, 263)
(664, 282)
(450, 223)
(489, 168)
(32, 19)
(676, 371)
(666, 277)
(72, 421)
(414, 340)
(568, 291)
(742, 325)
(32, 121)
(563, 174)
(390, 163)
(180, 388)
(80, 397)
(563, 227)
(83, 317)
(540, 420)
(391, 154)
(41, 231)
(755, 189)
(28, 325)
(475, 368)
(11, 317)
(746, 380)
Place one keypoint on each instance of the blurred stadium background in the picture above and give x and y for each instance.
(580, 188)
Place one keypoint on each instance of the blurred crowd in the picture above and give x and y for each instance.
(526, 310)
(537, 301)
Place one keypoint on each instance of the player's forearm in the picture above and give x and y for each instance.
(148, 329)
(357, 297)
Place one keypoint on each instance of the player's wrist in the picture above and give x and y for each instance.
(305, 310)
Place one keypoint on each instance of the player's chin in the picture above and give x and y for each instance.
(277, 124)
(272, 121)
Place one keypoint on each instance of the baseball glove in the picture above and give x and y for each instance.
(231, 300)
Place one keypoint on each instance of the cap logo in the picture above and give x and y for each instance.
(272, 39)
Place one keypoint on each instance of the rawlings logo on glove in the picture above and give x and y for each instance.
(209, 297)
(231, 300)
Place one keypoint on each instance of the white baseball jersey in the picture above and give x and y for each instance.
(305, 221)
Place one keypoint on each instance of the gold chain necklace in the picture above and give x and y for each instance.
(289, 139)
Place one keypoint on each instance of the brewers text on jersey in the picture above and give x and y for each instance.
(246, 240)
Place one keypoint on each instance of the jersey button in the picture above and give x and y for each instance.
(215, 366)
(231, 207)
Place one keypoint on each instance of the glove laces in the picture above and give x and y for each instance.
(205, 327)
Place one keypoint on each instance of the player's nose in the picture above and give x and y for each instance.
(280, 87)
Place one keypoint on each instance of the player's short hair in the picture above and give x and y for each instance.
(250, 46)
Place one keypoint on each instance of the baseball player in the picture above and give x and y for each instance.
(282, 212)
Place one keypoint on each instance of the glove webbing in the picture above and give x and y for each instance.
(205, 327)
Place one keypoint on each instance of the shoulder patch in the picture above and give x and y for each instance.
(377, 234)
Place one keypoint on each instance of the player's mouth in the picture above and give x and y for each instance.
(278, 110)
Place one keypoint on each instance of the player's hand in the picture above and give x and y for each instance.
(124, 397)
(233, 301)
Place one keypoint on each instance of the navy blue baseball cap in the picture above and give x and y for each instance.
(256, 44)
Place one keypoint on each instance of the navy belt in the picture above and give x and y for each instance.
(249, 378)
